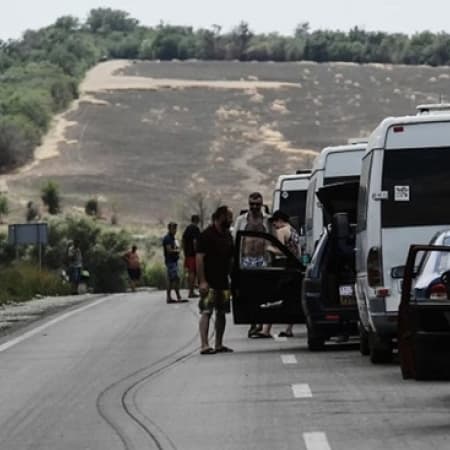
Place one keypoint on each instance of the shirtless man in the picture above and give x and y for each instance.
(253, 249)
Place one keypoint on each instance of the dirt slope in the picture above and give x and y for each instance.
(145, 137)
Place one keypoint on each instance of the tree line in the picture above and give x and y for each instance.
(40, 73)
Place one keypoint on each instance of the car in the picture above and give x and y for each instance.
(328, 295)
(428, 278)
(424, 311)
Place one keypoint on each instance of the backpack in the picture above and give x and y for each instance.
(294, 243)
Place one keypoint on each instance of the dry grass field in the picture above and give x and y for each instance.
(155, 134)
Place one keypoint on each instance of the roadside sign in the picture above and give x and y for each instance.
(28, 233)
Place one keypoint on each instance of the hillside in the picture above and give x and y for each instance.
(146, 137)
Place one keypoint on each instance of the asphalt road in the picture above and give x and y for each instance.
(124, 372)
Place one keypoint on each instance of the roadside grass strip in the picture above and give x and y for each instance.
(35, 331)
(316, 441)
(288, 359)
(301, 391)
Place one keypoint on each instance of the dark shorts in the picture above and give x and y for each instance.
(190, 264)
(75, 274)
(172, 271)
(216, 299)
(134, 274)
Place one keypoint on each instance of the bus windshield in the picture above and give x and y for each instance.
(417, 183)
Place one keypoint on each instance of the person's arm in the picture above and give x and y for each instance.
(171, 249)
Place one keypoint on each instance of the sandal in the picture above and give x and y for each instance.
(224, 349)
(259, 335)
(208, 351)
(287, 334)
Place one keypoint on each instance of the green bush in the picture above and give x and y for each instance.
(155, 276)
(51, 198)
(92, 208)
(23, 282)
(102, 251)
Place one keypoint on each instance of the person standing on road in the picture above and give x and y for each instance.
(214, 259)
(190, 240)
(253, 248)
(171, 257)
(75, 264)
(133, 266)
(289, 237)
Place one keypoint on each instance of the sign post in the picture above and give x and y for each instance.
(29, 234)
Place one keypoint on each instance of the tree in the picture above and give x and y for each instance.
(92, 207)
(32, 212)
(51, 198)
(240, 39)
(105, 20)
(4, 207)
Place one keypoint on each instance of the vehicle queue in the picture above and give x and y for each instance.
(367, 203)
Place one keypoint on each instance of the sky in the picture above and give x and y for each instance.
(407, 16)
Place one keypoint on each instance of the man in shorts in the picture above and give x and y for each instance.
(253, 249)
(133, 267)
(214, 259)
(171, 257)
(190, 240)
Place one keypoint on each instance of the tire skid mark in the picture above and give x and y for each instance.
(140, 428)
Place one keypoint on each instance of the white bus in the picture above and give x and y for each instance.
(290, 197)
(403, 199)
(333, 165)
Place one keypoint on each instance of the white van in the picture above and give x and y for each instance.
(290, 197)
(333, 165)
(403, 199)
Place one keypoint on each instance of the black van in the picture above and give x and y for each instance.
(328, 295)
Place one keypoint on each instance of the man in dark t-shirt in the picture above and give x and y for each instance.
(190, 240)
(171, 257)
(214, 258)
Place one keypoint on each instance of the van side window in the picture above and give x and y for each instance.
(418, 185)
(363, 196)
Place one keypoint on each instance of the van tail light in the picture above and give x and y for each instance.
(374, 267)
(438, 292)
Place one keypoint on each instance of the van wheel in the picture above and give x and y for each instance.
(363, 340)
(380, 350)
(315, 342)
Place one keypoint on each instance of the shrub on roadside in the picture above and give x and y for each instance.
(155, 276)
(23, 282)
(102, 251)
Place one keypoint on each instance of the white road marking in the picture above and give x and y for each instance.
(279, 339)
(301, 391)
(46, 325)
(288, 359)
(316, 441)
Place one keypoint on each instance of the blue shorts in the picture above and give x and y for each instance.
(172, 271)
(253, 262)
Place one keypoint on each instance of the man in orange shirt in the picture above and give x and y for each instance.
(133, 267)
